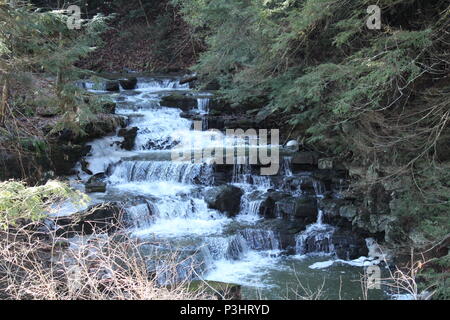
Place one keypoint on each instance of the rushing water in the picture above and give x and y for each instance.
(172, 212)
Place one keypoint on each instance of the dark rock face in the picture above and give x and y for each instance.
(182, 102)
(65, 156)
(99, 218)
(111, 85)
(129, 138)
(85, 166)
(348, 245)
(305, 184)
(96, 183)
(128, 83)
(268, 208)
(305, 158)
(301, 208)
(286, 230)
(377, 200)
(225, 198)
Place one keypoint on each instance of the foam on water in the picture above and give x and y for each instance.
(250, 270)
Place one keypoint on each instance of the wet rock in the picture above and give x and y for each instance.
(180, 101)
(129, 136)
(304, 184)
(112, 85)
(96, 183)
(287, 231)
(128, 83)
(101, 126)
(105, 217)
(315, 240)
(268, 207)
(65, 156)
(348, 245)
(85, 166)
(226, 198)
(302, 208)
(161, 144)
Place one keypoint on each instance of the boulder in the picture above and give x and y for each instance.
(96, 183)
(65, 156)
(129, 138)
(180, 101)
(128, 83)
(112, 85)
(226, 198)
(105, 217)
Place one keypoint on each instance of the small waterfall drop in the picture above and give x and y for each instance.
(316, 239)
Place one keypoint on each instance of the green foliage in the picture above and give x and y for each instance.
(365, 96)
(437, 278)
(315, 59)
(19, 202)
(34, 41)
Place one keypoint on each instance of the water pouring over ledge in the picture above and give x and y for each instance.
(244, 249)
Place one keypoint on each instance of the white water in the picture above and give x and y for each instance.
(174, 212)
(316, 239)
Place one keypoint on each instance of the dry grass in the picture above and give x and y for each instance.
(39, 266)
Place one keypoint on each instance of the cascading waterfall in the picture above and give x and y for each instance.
(166, 201)
(286, 166)
(182, 172)
(203, 104)
(140, 216)
(317, 238)
(259, 239)
(160, 84)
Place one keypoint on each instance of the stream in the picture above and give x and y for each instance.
(271, 258)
